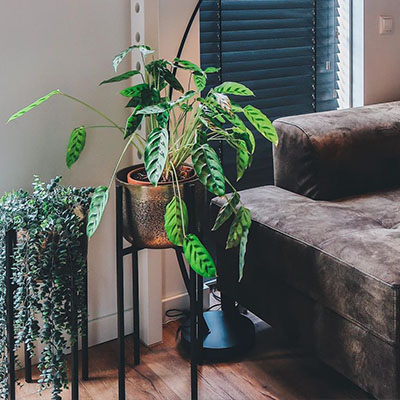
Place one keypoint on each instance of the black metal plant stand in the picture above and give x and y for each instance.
(194, 286)
(10, 243)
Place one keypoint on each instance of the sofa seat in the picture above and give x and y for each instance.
(344, 254)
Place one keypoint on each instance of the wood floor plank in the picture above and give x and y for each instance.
(273, 370)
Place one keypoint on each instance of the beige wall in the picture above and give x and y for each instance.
(382, 53)
(69, 45)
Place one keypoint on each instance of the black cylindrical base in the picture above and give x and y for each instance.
(229, 337)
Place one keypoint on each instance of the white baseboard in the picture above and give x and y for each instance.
(181, 302)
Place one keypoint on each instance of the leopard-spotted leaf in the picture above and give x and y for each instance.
(134, 91)
(76, 145)
(261, 123)
(155, 154)
(119, 57)
(163, 119)
(226, 211)
(240, 223)
(198, 257)
(121, 77)
(243, 159)
(96, 209)
(200, 81)
(208, 168)
(234, 88)
(176, 221)
(133, 122)
(36, 103)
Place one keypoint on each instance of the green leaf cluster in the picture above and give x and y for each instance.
(180, 129)
(49, 255)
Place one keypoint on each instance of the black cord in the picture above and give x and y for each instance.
(183, 41)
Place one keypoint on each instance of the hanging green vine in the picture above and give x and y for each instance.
(48, 257)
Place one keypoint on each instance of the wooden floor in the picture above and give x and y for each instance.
(272, 370)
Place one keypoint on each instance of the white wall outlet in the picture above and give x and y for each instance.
(385, 25)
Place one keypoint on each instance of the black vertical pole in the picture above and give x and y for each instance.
(28, 364)
(10, 241)
(74, 349)
(85, 321)
(136, 325)
(120, 295)
(193, 336)
(200, 327)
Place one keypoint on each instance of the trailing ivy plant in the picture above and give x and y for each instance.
(48, 257)
(180, 129)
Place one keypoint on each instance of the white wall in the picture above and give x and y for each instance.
(50, 44)
(381, 52)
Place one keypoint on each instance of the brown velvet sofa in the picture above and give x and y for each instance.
(323, 258)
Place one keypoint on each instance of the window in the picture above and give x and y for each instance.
(286, 51)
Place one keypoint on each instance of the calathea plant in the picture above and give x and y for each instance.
(180, 129)
(48, 257)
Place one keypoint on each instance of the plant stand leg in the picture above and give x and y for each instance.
(200, 327)
(74, 347)
(85, 334)
(193, 336)
(120, 296)
(28, 365)
(136, 324)
(10, 240)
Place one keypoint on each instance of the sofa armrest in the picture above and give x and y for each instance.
(335, 154)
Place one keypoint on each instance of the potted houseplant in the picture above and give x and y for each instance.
(49, 254)
(179, 131)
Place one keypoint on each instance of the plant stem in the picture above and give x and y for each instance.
(93, 109)
(130, 141)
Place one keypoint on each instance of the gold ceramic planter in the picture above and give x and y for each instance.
(143, 209)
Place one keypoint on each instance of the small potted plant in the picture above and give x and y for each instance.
(178, 149)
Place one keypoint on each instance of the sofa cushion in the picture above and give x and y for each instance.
(344, 253)
(334, 154)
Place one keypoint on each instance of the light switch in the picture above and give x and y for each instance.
(386, 25)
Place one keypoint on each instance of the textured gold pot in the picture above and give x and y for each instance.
(143, 208)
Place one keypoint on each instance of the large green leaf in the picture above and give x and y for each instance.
(96, 209)
(226, 211)
(242, 221)
(133, 122)
(224, 103)
(184, 64)
(156, 109)
(119, 57)
(172, 80)
(261, 123)
(243, 159)
(121, 77)
(211, 70)
(208, 168)
(155, 154)
(188, 95)
(200, 81)
(198, 257)
(134, 91)
(76, 145)
(247, 136)
(176, 221)
(234, 88)
(242, 251)
(163, 119)
(36, 103)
